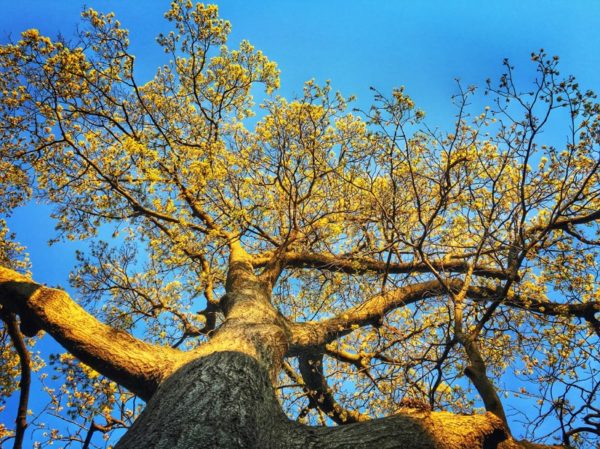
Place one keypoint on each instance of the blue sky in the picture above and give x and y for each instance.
(423, 45)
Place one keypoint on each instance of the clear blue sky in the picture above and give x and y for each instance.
(422, 45)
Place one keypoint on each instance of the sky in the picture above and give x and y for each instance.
(423, 45)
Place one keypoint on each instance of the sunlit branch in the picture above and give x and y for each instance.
(137, 365)
(565, 223)
(372, 311)
(116, 187)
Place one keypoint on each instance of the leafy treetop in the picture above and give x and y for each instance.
(413, 254)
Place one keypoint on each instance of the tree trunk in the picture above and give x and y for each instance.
(226, 400)
(223, 400)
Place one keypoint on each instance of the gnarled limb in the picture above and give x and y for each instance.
(136, 365)
(371, 311)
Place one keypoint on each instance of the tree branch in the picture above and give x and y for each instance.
(359, 265)
(130, 362)
(311, 368)
(476, 371)
(12, 328)
(316, 334)
(584, 311)
(565, 223)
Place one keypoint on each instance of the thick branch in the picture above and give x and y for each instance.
(315, 334)
(372, 311)
(136, 365)
(564, 223)
(358, 265)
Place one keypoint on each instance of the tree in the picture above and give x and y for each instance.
(358, 262)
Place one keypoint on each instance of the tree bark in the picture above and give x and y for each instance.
(226, 400)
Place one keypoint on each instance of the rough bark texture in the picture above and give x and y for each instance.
(225, 400)
(220, 400)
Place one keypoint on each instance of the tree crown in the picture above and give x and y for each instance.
(413, 255)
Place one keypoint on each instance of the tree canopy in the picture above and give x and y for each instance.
(410, 267)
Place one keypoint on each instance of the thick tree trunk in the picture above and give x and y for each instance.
(225, 400)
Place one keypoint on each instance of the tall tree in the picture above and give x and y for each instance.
(370, 270)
